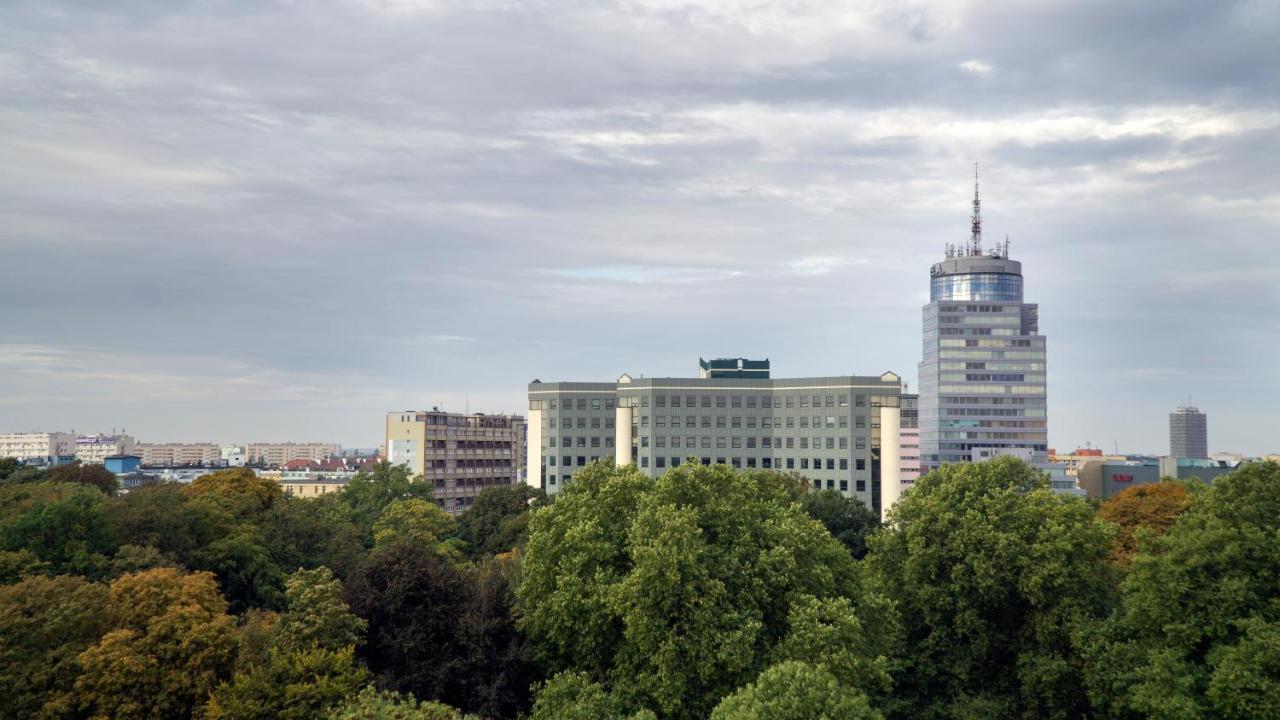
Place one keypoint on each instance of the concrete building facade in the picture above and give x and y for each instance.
(1101, 478)
(834, 431)
(910, 439)
(98, 447)
(276, 454)
(459, 454)
(982, 375)
(1188, 433)
(39, 448)
(178, 454)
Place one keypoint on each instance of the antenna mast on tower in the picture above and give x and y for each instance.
(975, 239)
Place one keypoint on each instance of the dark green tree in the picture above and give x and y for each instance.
(94, 475)
(66, 526)
(675, 593)
(1198, 634)
(991, 571)
(848, 519)
(442, 632)
(498, 520)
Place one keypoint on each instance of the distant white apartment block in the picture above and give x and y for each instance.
(178, 454)
(275, 454)
(48, 448)
(98, 447)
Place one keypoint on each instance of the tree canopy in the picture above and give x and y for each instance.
(707, 593)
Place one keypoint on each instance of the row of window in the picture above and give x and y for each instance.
(750, 421)
(706, 401)
(765, 462)
(751, 442)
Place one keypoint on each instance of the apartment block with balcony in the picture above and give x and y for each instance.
(460, 455)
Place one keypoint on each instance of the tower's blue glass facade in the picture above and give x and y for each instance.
(982, 374)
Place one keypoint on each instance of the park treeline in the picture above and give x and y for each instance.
(706, 593)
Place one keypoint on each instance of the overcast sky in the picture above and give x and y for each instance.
(261, 220)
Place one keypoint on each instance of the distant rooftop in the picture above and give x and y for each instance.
(733, 368)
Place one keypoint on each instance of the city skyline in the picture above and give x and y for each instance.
(429, 204)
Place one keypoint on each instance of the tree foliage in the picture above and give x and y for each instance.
(498, 520)
(367, 494)
(990, 571)
(795, 691)
(1198, 633)
(848, 519)
(438, 632)
(317, 616)
(93, 475)
(675, 593)
(45, 623)
(372, 704)
(1150, 508)
(170, 645)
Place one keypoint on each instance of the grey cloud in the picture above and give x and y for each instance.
(324, 195)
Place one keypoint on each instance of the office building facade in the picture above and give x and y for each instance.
(982, 374)
(1188, 433)
(460, 455)
(834, 431)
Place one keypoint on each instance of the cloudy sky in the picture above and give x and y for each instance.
(279, 220)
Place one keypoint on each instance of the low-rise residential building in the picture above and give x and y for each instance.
(98, 447)
(460, 455)
(39, 448)
(308, 487)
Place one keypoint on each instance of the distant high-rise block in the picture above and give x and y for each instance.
(460, 455)
(982, 376)
(1188, 433)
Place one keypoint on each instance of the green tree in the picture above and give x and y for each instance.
(316, 614)
(990, 571)
(419, 521)
(64, 525)
(573, 696)
(498, 520)
(45, 623)
(675, 593)
(438, 631)
(171, 644)
(1198, 634)
(240, 488)
(364, 497)
(310, 533)
(848, 519)
(795, 691)
(14, 472)
(93, 475)
(1151, 508)
(291, 685)
(373, 704)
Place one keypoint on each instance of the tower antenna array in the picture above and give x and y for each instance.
(975, 239)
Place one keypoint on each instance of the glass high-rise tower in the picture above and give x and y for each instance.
(982, 376)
